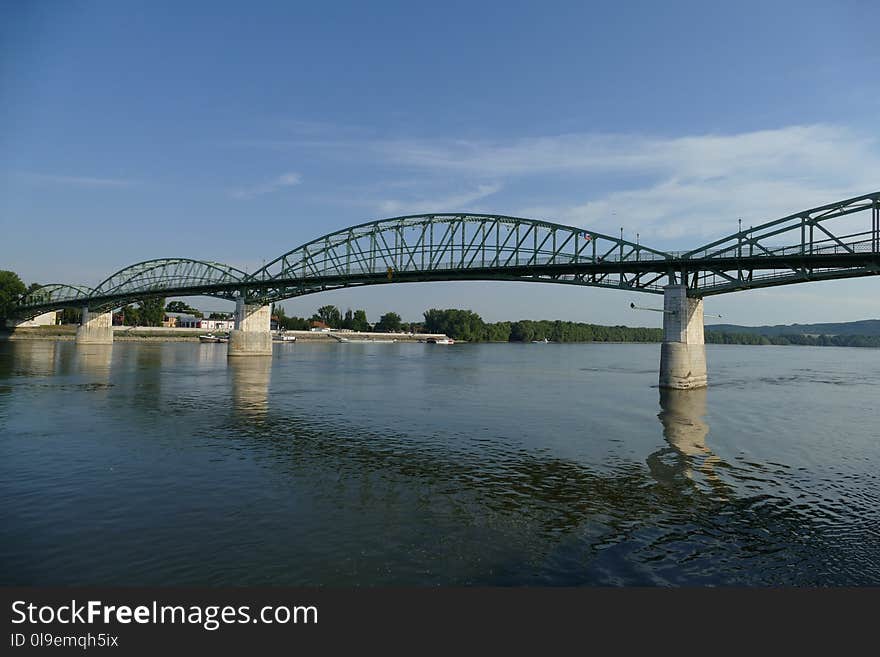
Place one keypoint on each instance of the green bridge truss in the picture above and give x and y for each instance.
(799, 248)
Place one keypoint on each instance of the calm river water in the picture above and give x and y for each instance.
(413, 464)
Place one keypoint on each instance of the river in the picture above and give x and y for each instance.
(423, 465)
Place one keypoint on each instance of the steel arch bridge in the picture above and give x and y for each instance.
(810, 245)
(164, 276)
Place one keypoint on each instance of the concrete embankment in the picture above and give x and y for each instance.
(164, 334)
(120, 334)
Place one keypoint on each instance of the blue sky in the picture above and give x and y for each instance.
(233, 132)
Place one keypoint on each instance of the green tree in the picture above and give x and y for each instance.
(152, 311)
(181, 307)
(359, 321)
(456, 323)
(388, 323)
(289, 323)
(71, 316)
(131, 316)
(294, 323)
(11, 288)
(498, 332)
(348, 320)
(330, 315)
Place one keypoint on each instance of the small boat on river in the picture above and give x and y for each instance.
(209, 337)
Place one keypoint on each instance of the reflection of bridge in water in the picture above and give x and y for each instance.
(685, 427)
(490, 510)
(250, 386)
(95, 360)
(834, 241)
(563, 517)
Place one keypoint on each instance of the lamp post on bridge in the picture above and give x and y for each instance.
(739, 238)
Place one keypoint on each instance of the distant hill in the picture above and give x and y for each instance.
(866, 327)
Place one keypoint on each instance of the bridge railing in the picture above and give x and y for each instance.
(802, 229)
(712, 282)
(861, 242)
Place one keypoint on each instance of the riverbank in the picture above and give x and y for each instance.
(68, 332)
(164, 334)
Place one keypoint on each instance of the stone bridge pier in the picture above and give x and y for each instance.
(683, 352)
(251, 335)
(95, 328)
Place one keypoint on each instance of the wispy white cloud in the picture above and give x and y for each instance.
(77, 181)
(691, 186)
(678, 209)
(285, 180)
(702, 156)
(677, 189)
(450, 203)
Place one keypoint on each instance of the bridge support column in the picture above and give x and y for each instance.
(683, 352)
(251, 336)
(95, 328)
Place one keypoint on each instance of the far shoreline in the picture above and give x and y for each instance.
(67, 333)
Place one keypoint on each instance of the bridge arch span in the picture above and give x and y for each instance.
(52, 296)
(455, 246)
(175, 276)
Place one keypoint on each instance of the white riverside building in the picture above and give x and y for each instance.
(191, 321)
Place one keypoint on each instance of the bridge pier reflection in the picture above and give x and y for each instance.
(95, 360)
(37, 358)
(683, 417)
(250, 385)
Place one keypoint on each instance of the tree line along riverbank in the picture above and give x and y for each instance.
(467, 325)
(520, 331)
